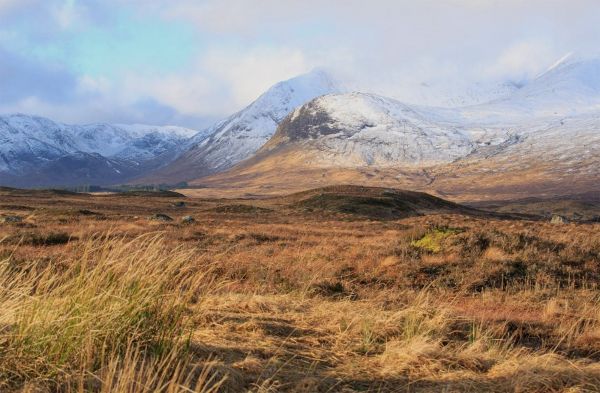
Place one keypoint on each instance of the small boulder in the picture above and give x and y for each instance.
(179, 204)
(10, 219)
(160, 217)
(188, 220)
(557, 219)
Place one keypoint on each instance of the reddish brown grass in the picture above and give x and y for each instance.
(280, 300)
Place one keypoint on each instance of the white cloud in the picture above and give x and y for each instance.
(239, 16)
(66, 14)
(219, 82)
(251, 73)
(385, 46)
(523, 60)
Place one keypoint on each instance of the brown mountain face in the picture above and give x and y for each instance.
(289, 170)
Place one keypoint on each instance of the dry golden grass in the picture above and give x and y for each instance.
(282, 300)
(112, 316)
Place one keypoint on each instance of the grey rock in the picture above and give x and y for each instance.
(557, 219)
(188, 220)
(9, 219)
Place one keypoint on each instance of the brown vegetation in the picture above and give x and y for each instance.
(285, 295)
(478, 177)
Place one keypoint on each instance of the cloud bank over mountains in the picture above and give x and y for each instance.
(190, 62)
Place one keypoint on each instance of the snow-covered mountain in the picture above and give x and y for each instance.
(453, 94)
(311, 123)
(462, 121)
(135, 142)
(358, 129)
(543, 137)
(29, 145)
(243, 133)
(27, 141)
(569, 88)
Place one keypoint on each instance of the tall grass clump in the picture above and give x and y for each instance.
(117, 308)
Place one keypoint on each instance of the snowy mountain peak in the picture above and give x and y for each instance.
(570, 87)
(573, 72)
(243, 133)
(305, 86)
(560, 62)
(282, 98)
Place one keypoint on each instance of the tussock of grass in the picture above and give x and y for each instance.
(121, 305)
(40, 239)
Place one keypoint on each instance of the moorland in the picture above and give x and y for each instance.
(339, 289)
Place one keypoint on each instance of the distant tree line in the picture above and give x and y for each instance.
(124, 187)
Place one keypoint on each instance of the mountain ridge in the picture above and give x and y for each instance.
(30, 146)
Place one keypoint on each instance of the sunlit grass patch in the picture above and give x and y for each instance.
(433, 239)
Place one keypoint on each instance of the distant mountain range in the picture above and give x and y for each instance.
(533, 137)
(35, 151)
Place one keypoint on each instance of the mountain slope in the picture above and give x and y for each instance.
(78, 169)
(558, 158)
(34, 150)
(452, 94)
(242, 134)
(360, 129)
(28, 141)
(571, 87)
(134, 142)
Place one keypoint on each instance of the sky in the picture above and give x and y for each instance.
(192, 62)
